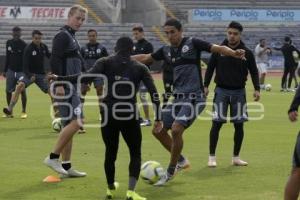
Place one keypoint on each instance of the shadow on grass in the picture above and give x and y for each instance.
(207, 173)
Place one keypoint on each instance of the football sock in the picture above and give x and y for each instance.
(132, 183)
(54, 156)
(66, 165)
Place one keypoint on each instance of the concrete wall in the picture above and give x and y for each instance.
(147, 12)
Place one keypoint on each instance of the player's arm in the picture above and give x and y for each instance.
(224, 50)
(293, 111)
(149, 83)
(105, 52)
(6, 58)
(143, 58)
(48, 54)
(26, 61)
(251, 65)
(98, 68)
(57, 61)
(213, 61)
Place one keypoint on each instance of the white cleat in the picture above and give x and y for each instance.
(72, 173)
(212, 161)
(55, 165)
(164, 179)
(185, 164)
(236, 161)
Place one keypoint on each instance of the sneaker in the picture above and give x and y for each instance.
(23, 115)
(212, 161)
(55, 165)
(166, 177)
(146, 122)
(236, 161)
(131, 195)
(185, 164)
(72, 173)
(81, 130)
(7, 112)
(283, 90)
(291, 90)
(111, 193)
(7, 116)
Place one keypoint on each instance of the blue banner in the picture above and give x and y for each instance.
(269, 15)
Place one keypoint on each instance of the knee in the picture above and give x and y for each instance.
(177, 131)
(20, 87)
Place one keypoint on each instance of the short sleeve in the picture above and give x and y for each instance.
(159, 54)
(201, 45)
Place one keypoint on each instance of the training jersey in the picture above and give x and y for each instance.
(14, 55)
(33, 59)
(66, 58)
(92, 52)
(185, 61)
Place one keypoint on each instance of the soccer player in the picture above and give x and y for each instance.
(292, 188)
(91, 52)
(67, 60)
(142, 46)
(290, 64)
(119, 112)
(34, 70)
(262, 52)
(189, 101)
(231, 76)
(14, 67)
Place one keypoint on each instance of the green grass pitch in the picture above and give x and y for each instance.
(268, 147)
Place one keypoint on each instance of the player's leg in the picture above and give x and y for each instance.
(284, 78)
(292, 187)
(11, 82)
(98, 83)
(14, 98)
(143, 97)
(131, 132)
(239, 115)
(220, 108)
(110, 135)
(72, 117)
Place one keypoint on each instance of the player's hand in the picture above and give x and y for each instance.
(157, 126)
(60, 91)
(206, 91)
(3, 74)
(51, 77)
(256, 95)
(240, 53)
(293, 116)
(32, 78)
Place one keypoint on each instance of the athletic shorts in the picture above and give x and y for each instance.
(235, 99)
(40, 81)
(296, 157)
(70, 107)
(12, 79)
(183, 110)
(262, 67)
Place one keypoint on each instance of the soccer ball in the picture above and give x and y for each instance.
(56, 124)
(296, 56)
(268, 87)
(151, 171)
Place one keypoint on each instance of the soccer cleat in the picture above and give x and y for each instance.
(291, 90)
(131, 195)
(23, 115)
(72, 173)
(110, 193)
(164, 179)
(185, 164)
(55, 165)
(283, 90)
(236, 161)
(146, 122)
(7, 111)
(212, 161)
(7, 116)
